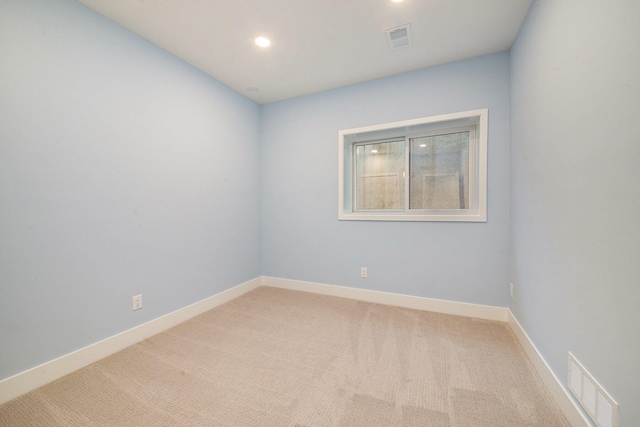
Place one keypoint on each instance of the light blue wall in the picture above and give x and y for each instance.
(302, 237)
(575, 195)
(125, 171)
(122, 171)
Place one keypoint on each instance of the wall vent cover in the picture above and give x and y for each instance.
(598, 404)
(399, 37)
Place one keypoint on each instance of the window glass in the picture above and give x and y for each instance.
(439, 166)
(380, 175)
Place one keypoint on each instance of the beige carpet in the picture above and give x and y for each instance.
(275, 357)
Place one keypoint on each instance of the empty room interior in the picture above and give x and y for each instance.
(416, 212)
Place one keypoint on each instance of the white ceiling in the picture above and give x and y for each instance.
(316, 44)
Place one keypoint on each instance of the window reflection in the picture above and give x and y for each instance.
(380, 182)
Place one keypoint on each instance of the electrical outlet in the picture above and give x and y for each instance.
(137, 302)
(363, 272)
(511, 289)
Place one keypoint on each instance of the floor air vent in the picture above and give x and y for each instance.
(399, 37)
(600, 407)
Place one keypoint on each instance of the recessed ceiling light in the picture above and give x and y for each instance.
(263, 42)
(423, 145)
(374, 151)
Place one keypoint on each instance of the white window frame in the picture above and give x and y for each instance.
(348, 139)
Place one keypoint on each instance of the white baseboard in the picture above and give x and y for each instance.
(567, 405)
(418, 303)
(31, 379)
(560, 394)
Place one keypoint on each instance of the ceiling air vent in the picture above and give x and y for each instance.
(399, 36)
